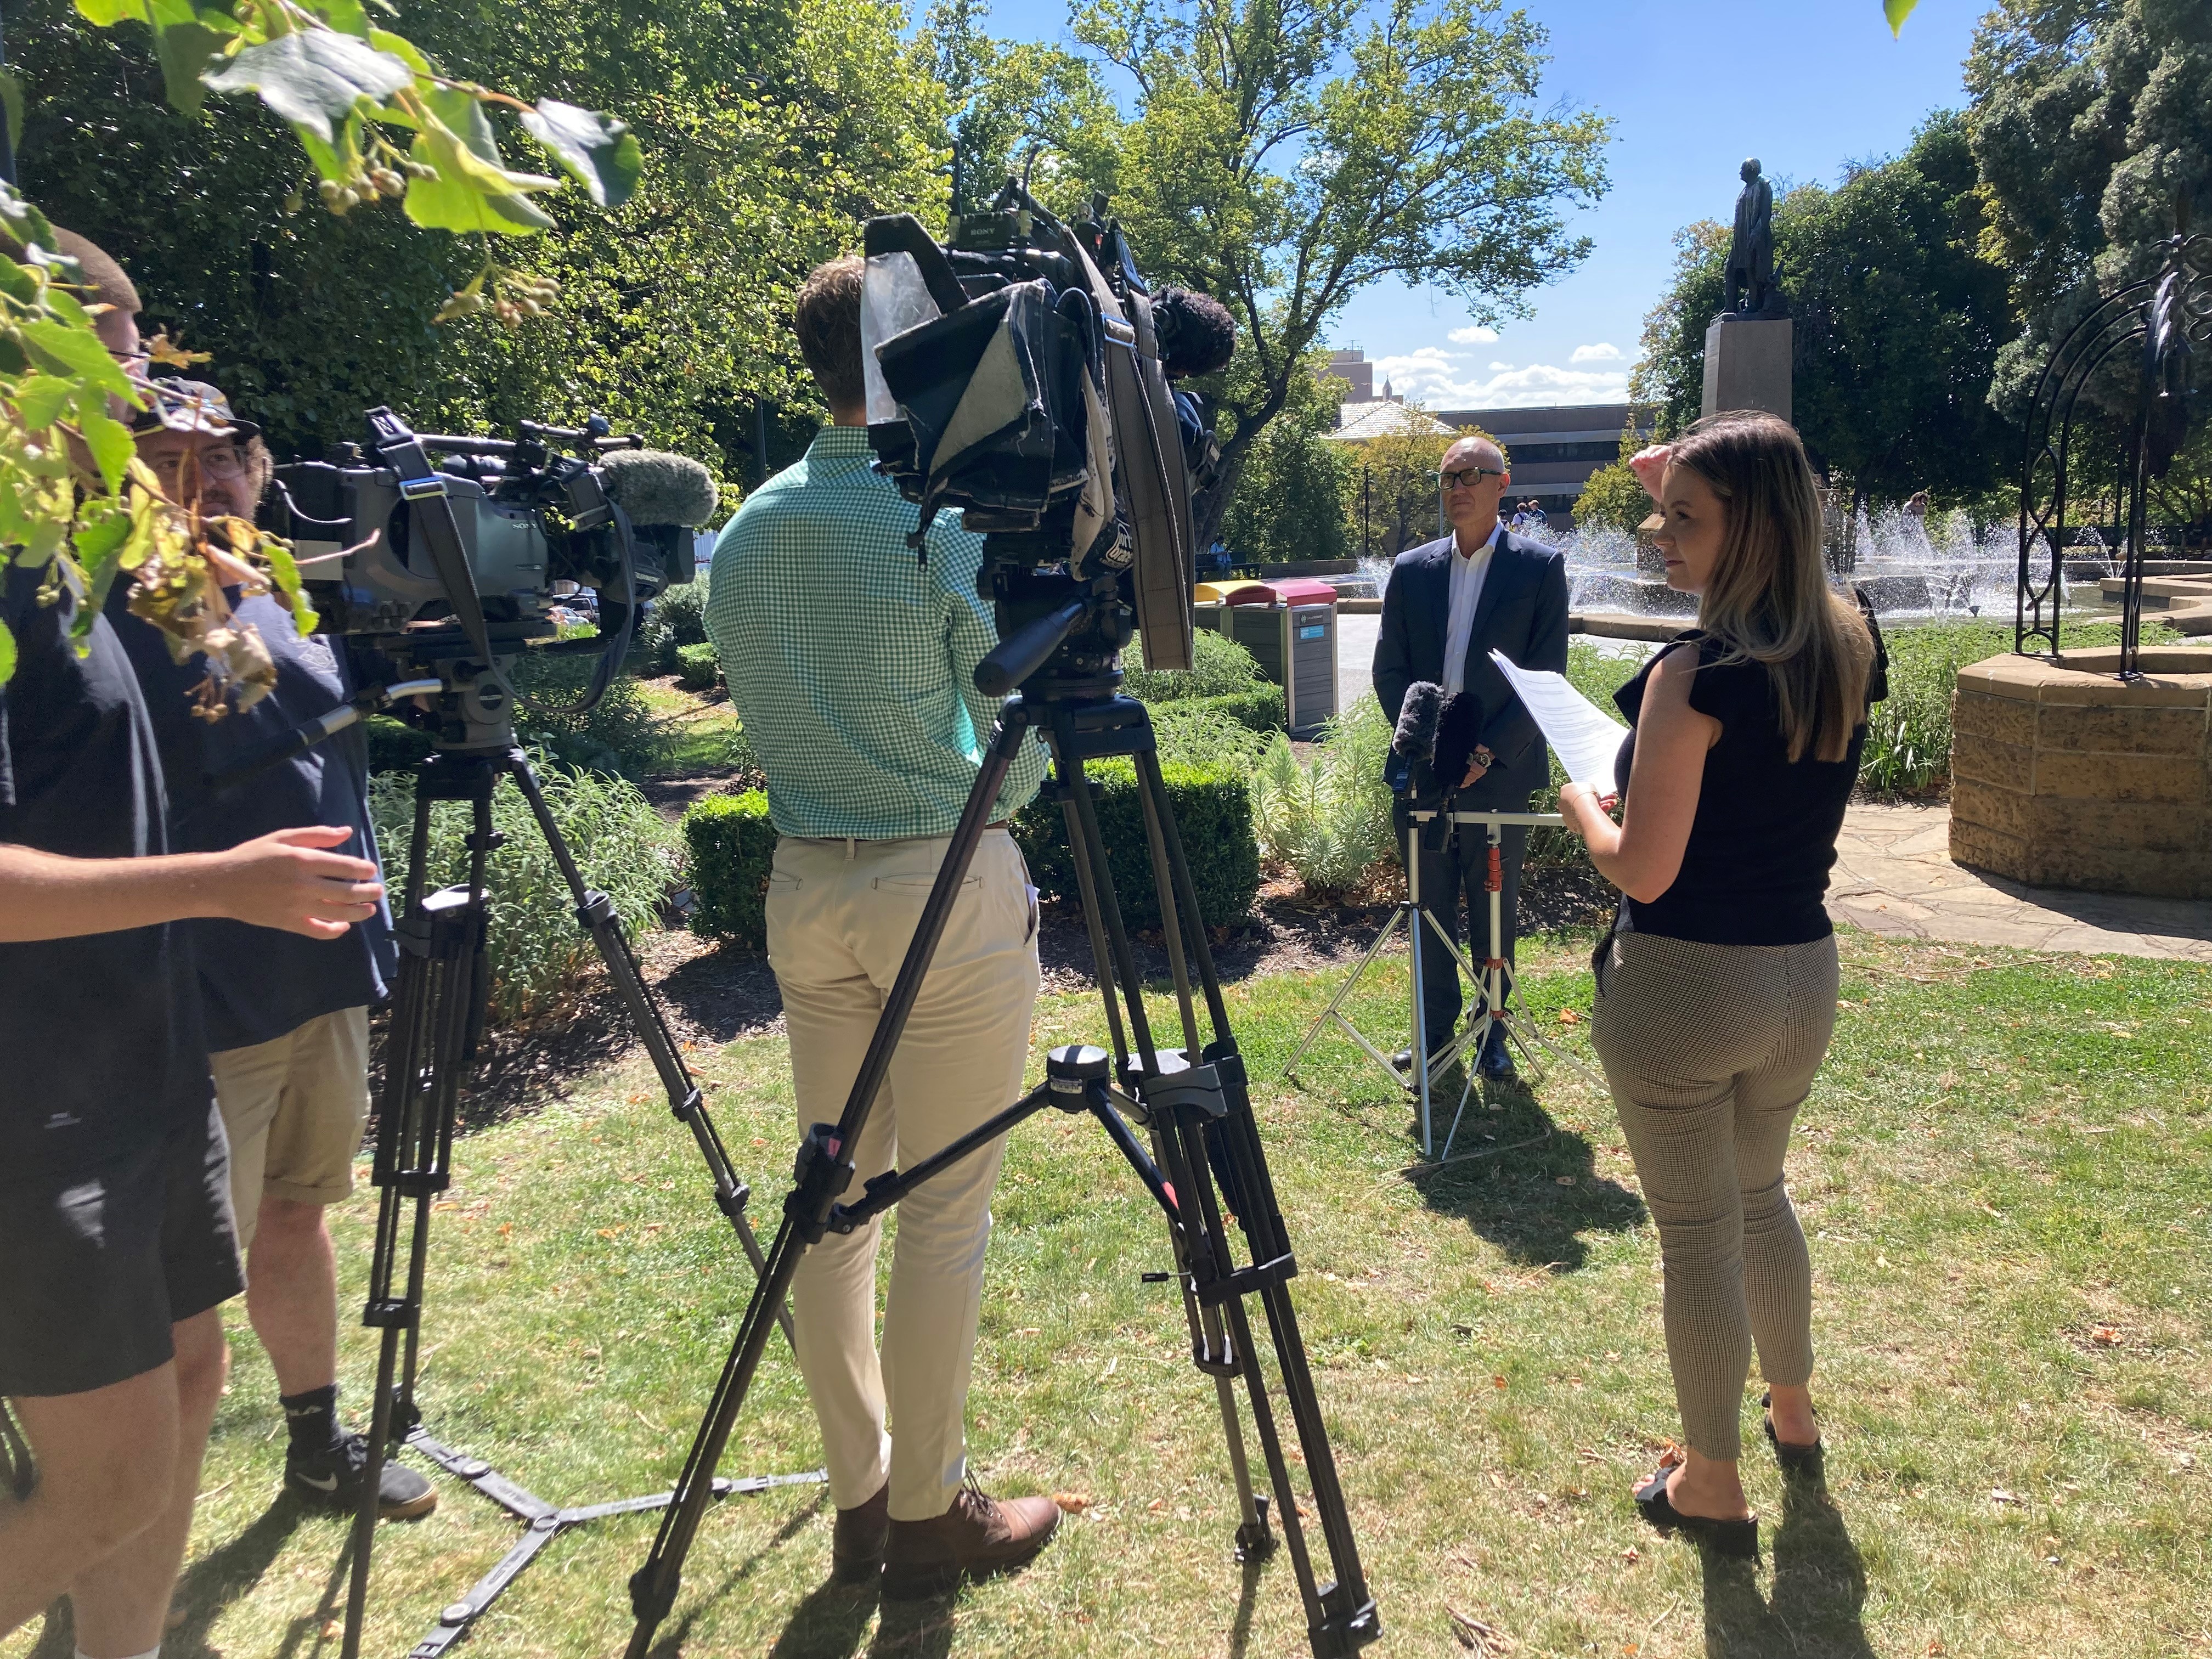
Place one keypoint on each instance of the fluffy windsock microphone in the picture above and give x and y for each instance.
(1415, 740)
(655, 487)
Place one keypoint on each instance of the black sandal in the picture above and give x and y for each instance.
(1806, 1463)
(1733, 1538)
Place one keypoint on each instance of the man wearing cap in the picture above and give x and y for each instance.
(287, 1018)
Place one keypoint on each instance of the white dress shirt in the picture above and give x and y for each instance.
(1467, 572)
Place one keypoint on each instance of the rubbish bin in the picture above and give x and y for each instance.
(1293, 639)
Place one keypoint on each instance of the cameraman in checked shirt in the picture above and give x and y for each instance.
(850, 661)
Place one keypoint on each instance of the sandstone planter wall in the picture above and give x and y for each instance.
(2064, 776)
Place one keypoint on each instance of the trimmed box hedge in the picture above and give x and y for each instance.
(730, 846)
(1212, 807)
(697, 667)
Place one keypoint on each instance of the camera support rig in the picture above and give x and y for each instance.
(437, 1010)
(1205, 1167)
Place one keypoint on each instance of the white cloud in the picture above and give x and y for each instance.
(1442, 379)
(1602, 352)
(1476, 335)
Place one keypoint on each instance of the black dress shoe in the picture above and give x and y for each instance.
(1497, 1062)
(1738, 1539)
(1403, 1061)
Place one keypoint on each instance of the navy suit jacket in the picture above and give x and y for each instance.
(1522, 612)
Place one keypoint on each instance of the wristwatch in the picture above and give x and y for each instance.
(1483, 757)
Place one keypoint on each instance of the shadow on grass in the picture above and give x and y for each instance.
(1819, 1589)
(1531, 1187)
(670, 1642)
(829, 1624)
(205, 1589)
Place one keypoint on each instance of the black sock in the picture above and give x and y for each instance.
(312, 1419)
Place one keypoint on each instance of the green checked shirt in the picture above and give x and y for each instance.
(849, 661)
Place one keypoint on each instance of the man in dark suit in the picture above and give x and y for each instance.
(1448, 605)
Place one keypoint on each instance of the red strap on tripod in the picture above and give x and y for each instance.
(1496, 883)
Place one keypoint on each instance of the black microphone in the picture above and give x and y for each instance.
(1415, 740)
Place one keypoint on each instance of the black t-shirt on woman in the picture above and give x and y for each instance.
(1763, 839)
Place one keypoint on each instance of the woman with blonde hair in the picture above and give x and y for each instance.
(1717, 988)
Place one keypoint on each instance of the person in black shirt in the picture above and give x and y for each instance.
(116, 1242)
(1717, 988)
(286, 1018)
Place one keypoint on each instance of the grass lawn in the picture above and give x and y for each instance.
(2006, 1171)
(700, 728)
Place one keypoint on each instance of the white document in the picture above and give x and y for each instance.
(1584, 736)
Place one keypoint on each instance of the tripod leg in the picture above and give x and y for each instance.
(825, 1169)
(595, 912)
(432, 1014)
(1341, 1613)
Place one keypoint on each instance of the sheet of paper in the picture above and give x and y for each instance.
(1584, 736)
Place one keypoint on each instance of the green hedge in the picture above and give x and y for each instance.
(697, 667)
(1261, 710)
(730, 845)
(1214, 810)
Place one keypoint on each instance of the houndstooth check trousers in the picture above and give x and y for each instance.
(1709, 1049)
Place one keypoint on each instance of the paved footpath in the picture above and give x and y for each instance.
(1894, 875)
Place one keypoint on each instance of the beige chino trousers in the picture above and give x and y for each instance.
(840, 917)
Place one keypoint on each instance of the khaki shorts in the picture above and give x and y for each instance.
(294, 1107)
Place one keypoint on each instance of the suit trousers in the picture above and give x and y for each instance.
(1449, 873)
(840, 917)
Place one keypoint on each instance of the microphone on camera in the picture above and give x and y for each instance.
(655, 487)
(1415, 740)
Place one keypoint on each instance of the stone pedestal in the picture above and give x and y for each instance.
(1747, 365)
(2064, 776)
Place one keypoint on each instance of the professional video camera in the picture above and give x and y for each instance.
(1017, 372)
(453, 568)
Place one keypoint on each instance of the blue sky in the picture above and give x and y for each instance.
(1694, 87)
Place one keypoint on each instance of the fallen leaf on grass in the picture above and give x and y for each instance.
(333, 1629)
(1999, 1495)
(1496, 1381)
(2105, 1336)
(1568, 1017)
(1632, 1555)
(1071, 1503)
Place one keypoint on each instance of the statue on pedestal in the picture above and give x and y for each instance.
(1753, 290)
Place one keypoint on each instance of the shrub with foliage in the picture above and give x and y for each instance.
(1202, 732)
(1261, 710)
(730, 845)
(1219, 668)
(1329, 819)
(697, 667)
(539, 955)
(619, 735)
(1211, 808)
(677, 618)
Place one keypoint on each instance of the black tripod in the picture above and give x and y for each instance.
(1204, 1159)
(437, 1011)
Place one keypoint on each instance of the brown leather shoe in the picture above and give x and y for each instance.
(975, 1538)
(856, 1545)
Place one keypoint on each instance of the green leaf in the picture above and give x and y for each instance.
(473, 190)
(100, 536)
(41, 399)
(314, 79)
(186, 50)
(286, 575)
(598, 150)
(11, 94)
(76, 353)
(404, 48)
(112, 447)
(346, 16)
(24, 223)
(105, 14)
(1896, 10)
(7, 654)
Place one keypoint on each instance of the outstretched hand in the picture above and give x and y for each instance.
(289, 880)
(1650, 466)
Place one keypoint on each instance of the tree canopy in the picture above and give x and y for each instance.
(1284, 156)
(770, 129)
(2088, 127)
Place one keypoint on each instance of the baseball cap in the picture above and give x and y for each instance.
(190, 406)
